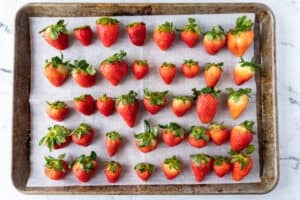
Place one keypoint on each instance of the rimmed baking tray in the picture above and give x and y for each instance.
(265, 80)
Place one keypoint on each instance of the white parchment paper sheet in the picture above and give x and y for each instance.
(128, 156)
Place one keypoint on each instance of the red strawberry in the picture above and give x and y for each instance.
(57, 110)
(241, 37)
(172, 134)
(84, 167)
(212, 73)
(105, 105)
(114, 68)
(85, 104)
(214, 40)
(113, 142)
(56, 70)
(191, 33)
(140, 69)
(172, 167)
(207, 104)
(127, 106)
(167, 72)
(83, 135)
(112, 170)
(190, 68)
(83, 73)
(218, 133)
(201, 165)
(244, 71)
(241, 135)
(56, 35)
(164, 35)
(154, 101)
(84, 35)
(107, 30)
(57, 137)
(147, 141)
(238, 101)
(55, 168)
(242, 163)
(221, 166)
(181, 105)
(137, 33)
(144, 170)
(198, 136)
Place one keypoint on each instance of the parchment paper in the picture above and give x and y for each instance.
(128, 155)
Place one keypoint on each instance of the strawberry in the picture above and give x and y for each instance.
(56, 70)
(147, 141)
(144, 170)
(154, 101)
(190, 33)
(238, 101)
(57, 110)
(127, 106)
(164, 35)
(83, 135)
(212, 73)
(167, 72)
(84, 35)
(241, 37)
(112, 170)
(244, 71)
(172, 134)
(84, 167)
(83, 73)
(140, 69)
(198, 136)
(218, 133)
(107, 30)
(56, 35)
(84, 104)
(113, 142)
(207, 103)
(201, 165)
(242, 163)
(114, 68)
(181, 105)
(55, 168)
(241, 135)
(137, 33)
(105, 105)
(221, 166)
(190, 68)
(172, 167)
(214, 40)
(57, 137)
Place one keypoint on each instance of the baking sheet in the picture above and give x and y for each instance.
(128, 156)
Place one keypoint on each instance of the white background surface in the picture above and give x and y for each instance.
(288, 85)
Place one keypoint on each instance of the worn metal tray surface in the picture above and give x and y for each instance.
(265, 80)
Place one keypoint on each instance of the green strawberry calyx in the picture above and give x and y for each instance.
(56, 29)
(55, 163)
(242, 157)
(199, 133)
(243, 24)
(173, 163)
(107, 21)
(113, 135)
(166, 64)
(112, 166)
(184, 99)
(104, 98)
(83, 129)
(251, 64)
(236, 94)
(133, 24)
(173, 127)
(56, 135)
(126, 99)
(248, 125)
(144, 167)
(141, 62)
(166, 27)
(207, 90)
(190, 62)
(81, 97)
(145, 138)
(219, 160)
(56, 61)
(115, 58)
(86, 162)
(156, 98)
(216, 33)
(81, 27)
(82, 66)
(200, 159)
(218, 65)
(218, 126)
(57, 105)
(191, 26)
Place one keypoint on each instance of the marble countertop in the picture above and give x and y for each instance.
(288, 89)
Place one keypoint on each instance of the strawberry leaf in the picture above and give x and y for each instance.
(86, 162)
(219, 160)
(55, 163)
(218, 65)
(55, 61)
(113, 135)
(254, 66)
(83, 129)
(199, 133)
(133, 24)
(145, 138)
(242, 25)
(248, 125)
(156, 98)
(199, 159)
(190, 62)
(144, 167)
(83, 66)
(56, 29)
(191, 26)
(107, 21)
(207, 90)
(216, 33)
(57, 105)
(166, 27)
(173, 163)
(117, 57)
(125, 99)
(236, 94)
(173, 127)
(112, 166)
